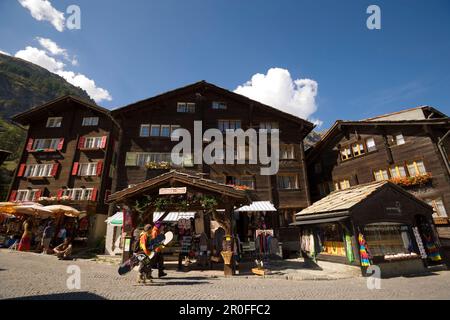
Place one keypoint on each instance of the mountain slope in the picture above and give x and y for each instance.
(24, 85)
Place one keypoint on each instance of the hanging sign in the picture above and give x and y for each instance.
(180, 190)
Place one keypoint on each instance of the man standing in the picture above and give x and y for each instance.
(158, 259)
(47, 236)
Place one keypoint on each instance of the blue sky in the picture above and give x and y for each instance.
(136, 49)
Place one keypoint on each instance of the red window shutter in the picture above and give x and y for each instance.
(60, 193)
(104, 138)
(94, 194)
(75, 169)
(60, 144)
(81, 142)
(30, 145)
(37, 195)
(21, 170)
(99, 168)
(13, 195)
(54, 169)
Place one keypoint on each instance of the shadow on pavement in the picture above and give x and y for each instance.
(64, 296)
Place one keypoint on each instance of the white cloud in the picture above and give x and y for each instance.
(52, 47)
(41, 58)
(4, 52)
(279, 90)
(80, 80)
(42, 10)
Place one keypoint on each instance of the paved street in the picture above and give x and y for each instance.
(28, 275)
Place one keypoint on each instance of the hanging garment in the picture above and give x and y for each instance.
(423, 253)
(433, 250)
(363, 251)
(349, 248)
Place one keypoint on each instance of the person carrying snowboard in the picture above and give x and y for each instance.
(158, 258)
(145, 270)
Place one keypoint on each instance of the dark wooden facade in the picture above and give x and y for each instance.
(420, 144)
(68, 155)
(162, 109)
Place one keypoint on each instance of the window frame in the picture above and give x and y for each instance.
(87, 122)
(281, 184)
(91, 171)
(155, 126)
(219, 105)
(55, 121)
(142, 128)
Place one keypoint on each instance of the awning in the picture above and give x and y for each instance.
(117, 219)
(318, 221)
(257, 206)
(174, 216)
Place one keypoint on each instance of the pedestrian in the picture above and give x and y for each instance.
(62, 236)
(64, 250)
(25, 241)
(145, 271)
(158, 259)
(47, 236)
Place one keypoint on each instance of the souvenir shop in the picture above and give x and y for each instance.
(67, 224)
(372, 224)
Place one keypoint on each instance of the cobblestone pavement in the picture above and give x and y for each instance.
(28, 275)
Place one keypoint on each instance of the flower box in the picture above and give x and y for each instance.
(419, 180)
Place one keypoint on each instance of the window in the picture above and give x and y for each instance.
(370, 144)
(381, 175)
(387, 238)
(145, 130)
(416, 168)
(246, 181)
(39, 170)
(344, 184)
(165, 131)
(287, 182)
(439, 208)
(219, 105)
(346, 153)
(87, 169)
(172, 129)
(54, 122)
(155, 132)
(43, 144)
(358, 149)
(331, 186)
(268, 125)
(90, 121)
(186, 107)
(287, 151)
(93, 142)
(144, 158)
(225, 125)
(79, 193)
(397, 172)
(27, 194)
(399, 139)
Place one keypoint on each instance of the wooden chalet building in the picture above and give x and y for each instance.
(145, 144)
(410, 148)
(68, 158)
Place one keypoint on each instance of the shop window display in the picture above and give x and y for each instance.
(388, 239)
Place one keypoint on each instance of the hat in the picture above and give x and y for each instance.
(158, 224)
(147, 227)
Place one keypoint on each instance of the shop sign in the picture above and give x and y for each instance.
(394, 210)
(165, 191)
